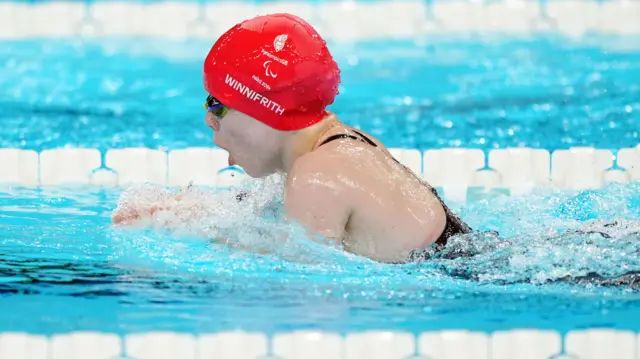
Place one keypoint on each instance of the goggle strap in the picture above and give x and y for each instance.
(211, 108)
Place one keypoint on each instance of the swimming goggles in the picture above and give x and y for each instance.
(216, 107)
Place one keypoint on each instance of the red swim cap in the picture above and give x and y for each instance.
(274, 68)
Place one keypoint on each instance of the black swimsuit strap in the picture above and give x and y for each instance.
(366, 138)
(337, 137)
(362, 138)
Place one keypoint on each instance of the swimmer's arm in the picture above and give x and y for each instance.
(313, 199)
(130, 214)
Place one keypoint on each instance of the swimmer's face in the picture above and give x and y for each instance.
(251, 144)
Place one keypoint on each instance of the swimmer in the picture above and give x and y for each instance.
(269, 81)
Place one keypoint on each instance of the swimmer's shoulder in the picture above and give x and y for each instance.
(332, 172)
(320, 164)
(337, 177)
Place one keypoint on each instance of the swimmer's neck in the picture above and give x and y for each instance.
(301, 142)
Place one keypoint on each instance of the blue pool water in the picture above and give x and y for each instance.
(545, 93)
(63, 267)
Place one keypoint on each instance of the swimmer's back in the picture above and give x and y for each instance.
(391, 212)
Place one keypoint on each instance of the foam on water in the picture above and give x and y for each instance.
(550, 235)
(256, 224)
(545, 236)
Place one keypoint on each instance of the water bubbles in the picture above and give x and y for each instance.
(594, 77)
(545, 107)
(112, 85)
(446, 123)
(413, 117)
(554, 237)
(172, 93)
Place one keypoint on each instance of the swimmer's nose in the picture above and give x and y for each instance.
(212, 121)
(215, 124)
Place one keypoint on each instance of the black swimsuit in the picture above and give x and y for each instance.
(454, 225)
